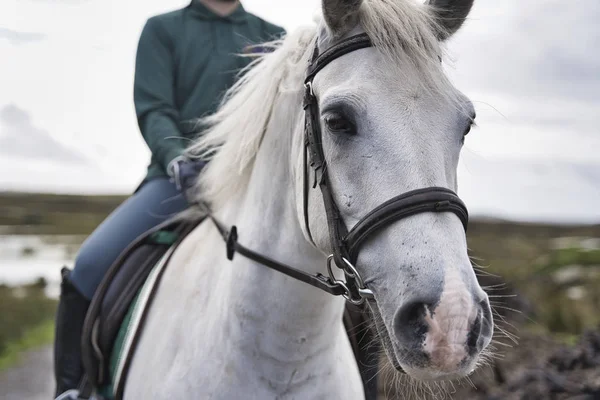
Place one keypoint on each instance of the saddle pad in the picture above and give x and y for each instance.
(115, 294)
(128, 334)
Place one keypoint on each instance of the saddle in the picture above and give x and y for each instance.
(118, 308)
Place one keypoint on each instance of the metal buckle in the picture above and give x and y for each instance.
(309, 96)
(309, 88)
(351, 271)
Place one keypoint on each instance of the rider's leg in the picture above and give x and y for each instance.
(152, 204)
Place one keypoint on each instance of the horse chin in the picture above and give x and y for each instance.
(421, 369)
(433, 375)
(425, 374)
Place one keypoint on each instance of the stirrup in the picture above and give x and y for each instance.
(72, 394)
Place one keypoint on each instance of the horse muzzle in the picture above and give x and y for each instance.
(441, 339)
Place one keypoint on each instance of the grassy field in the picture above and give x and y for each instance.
(553, 271)
(27, 321)
(54, 214)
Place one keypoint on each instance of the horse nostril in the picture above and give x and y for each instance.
(409, 323)
(481, 329)
(487, 328)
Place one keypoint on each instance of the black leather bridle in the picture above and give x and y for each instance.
(345, 244)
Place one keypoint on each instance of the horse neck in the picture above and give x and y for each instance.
(290, 319)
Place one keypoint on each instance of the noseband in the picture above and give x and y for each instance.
(345, 244)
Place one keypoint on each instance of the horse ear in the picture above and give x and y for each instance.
(450, 15)
(341, 15)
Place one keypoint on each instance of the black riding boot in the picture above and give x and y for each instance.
(72, 308)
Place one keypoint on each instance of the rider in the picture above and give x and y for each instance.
(186, 60)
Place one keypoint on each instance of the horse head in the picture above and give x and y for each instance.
(391, 122)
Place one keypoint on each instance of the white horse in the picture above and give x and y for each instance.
(391, 123)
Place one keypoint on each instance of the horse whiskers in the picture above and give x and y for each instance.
(468, 378)
(504, 321)
(474, 262)
(506, 329)
(363, 326)
(494, 352)
(395, 380)
(481, 272)
(473, 256)
(497, 313)
(502, 295)
(498, 286)
(502, 344)
(511, 336)
(500, 333)
(418, 389)
(497, 305)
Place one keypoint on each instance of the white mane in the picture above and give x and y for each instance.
(401, 30)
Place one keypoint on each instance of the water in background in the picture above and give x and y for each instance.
(26, 258)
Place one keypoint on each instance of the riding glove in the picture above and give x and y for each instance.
(184, 172)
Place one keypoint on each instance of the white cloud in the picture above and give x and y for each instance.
(18, 38)
(47, 176)
(21, 139)
(531, 190)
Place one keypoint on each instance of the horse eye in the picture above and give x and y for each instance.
(472, 124)
(337, 122)
(468, 130)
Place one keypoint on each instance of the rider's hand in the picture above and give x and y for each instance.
(184, 172)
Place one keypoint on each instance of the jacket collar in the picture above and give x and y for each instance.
(201, 11)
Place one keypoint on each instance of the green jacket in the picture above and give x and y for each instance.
(186, 60)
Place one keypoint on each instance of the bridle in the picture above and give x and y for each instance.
(345, 244)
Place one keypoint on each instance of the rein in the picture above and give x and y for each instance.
(345, 244)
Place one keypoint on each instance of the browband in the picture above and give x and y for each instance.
(319, 61)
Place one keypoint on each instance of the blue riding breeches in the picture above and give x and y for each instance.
(155, 202)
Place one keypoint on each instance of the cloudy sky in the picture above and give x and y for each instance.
(532, 68)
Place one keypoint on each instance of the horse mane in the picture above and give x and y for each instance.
(400, 29)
